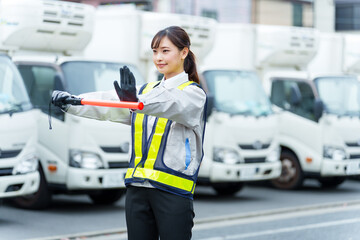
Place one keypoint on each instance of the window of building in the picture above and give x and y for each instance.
(347, 16)
(209, 13)
(297, 14)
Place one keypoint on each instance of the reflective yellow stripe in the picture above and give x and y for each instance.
(138, 135)
(148, 171)
(155, 142)
(149, 86)
(129, 173)
(182, 86)
(165, 178)
(192, 192)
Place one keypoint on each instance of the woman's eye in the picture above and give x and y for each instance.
(165, 50)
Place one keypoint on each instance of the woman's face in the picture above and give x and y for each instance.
(168, 59)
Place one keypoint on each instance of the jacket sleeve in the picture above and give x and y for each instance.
(121, 115)
(182, 106)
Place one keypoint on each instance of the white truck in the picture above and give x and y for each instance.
(319, 123)
(78, 156)
(18, 155)
(241, 143)
(123, 33)
(225, 165)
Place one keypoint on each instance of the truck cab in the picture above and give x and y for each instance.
(80, 155)
(319, 118)
(77, 155)
(19, 175)
(241, 142)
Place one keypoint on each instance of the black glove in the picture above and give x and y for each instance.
(127, 89)
(58, 98)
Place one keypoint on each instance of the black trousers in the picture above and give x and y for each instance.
(152, 213)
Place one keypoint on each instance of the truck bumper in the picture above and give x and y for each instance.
(19, 185)
(340, 168)
(245, 172)
(80, 179)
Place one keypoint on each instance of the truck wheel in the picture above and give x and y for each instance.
(291, 176)
(38, 200)
(331, 182)
(107, 196)
(227, 189)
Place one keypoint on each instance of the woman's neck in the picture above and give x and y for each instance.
(166, 77)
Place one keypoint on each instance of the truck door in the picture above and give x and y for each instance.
(299, 129)
(40, 81)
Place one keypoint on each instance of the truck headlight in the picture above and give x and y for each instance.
(29, 163)
(89, 160)
(226, 155)
(334, 153)
(274, 155)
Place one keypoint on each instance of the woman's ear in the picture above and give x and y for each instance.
(184, 53)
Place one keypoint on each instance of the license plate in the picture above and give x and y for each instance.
(113, 180)
(247, 173)
(352, 168)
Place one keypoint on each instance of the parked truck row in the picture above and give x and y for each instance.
(316, 99)
(276, 114)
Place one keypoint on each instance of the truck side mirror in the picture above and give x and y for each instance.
(209, 105)
(295, 95)
(58, 84)
(318, 109)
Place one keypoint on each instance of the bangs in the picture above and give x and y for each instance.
(155, 43)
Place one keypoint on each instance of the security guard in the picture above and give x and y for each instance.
(167, 139)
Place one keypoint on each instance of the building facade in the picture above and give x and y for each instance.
(274, 12)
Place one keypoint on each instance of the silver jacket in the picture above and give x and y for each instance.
(186, 108)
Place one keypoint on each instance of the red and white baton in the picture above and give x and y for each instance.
(103, 103)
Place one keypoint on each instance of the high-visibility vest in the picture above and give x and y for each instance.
(145, 152)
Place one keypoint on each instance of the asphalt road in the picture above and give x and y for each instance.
(256, 212)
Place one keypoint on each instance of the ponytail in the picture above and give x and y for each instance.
(190, 67)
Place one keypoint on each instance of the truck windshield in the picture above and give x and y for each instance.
(13, 95)
(238, 92)
(87, 76)
(341, 95)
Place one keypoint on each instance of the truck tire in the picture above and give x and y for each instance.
(106, 197)
(331, 182)
(291, 176)
(38, 200)
(227, 189)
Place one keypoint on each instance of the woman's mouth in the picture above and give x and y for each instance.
(161, 65)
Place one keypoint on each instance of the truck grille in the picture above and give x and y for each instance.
(9, 153)
(114, 150)
(253, 147)
(353, 144)
(255, 160)
(5, 171)
(118, 164)
(354, 156)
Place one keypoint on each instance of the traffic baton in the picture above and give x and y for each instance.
(103, 103)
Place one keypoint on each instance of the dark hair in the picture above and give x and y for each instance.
(180, 39)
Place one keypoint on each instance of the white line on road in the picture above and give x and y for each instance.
(310, 211)
(285, 230)
(221, 221)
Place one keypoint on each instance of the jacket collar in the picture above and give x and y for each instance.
(175, 81)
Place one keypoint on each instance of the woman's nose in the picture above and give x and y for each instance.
(158, 56)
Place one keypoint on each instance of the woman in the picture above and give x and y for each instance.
(167, 139)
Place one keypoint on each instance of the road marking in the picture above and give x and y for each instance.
(285, 230)
(277, 214)
(226, 220)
